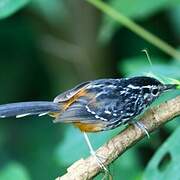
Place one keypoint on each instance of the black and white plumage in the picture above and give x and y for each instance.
(95, 105)
(111, 102)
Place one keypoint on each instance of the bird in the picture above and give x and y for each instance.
(96, 105)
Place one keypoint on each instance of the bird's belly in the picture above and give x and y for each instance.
(89, 127)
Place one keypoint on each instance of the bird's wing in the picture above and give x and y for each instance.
(91, 105)
(70, 93)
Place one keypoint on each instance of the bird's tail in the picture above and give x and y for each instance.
(22, 109)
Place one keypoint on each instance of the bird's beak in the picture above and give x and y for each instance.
(168, 87)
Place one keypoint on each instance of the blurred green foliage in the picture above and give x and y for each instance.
(137, 9)
(165, 163)
(14, 170)
(49, 46)
(8, 7)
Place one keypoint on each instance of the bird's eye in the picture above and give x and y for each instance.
(155, 92)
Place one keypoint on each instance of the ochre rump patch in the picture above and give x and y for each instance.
(89, 127)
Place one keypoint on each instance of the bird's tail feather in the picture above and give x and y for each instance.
(22, 109)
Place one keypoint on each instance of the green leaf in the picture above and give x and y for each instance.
(9, 7)
(137, 9)
(14, 171)
(165, 163)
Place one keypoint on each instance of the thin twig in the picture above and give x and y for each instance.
(152, 119)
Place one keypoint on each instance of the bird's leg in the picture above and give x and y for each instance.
(141, 126)
(92, 152)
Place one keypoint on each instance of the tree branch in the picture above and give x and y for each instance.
(152, 119)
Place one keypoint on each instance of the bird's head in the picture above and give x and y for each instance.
(150, 87)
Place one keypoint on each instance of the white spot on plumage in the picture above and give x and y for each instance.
(146, 95)
(112, 86)
(92, 112)
(138, 87)
(148, 86)
(88, 108)
(103, 119)
(122, 92)
(107, 112)
(2, 116)
(98, 117)
(99, 94)
(114, 114)
(42, 114)
(133, 87)
(23, 115)
(94, 86)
